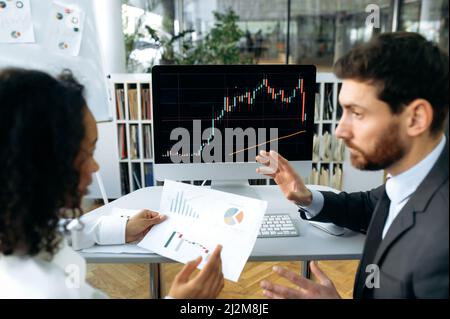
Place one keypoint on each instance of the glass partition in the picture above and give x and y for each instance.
(256, 32)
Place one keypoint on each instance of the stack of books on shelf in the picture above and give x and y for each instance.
(124, 180)
(336, 178)
(317, 107)
(120, 103)
(316, 148)
(136, 175)
(134, 142)
(145, 102)
(147, 137)
(148, 174)
(122, 142)
(328, 102)
(322, 177)
(338, 149)
(327, 148)
(133, 104)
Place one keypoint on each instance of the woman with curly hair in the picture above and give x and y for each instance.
(47, 138)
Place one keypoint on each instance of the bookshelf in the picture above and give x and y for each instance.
(133, 121)
(328, 151)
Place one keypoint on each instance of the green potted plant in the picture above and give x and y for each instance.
(219, 46)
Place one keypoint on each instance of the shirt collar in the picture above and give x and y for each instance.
(400, 187)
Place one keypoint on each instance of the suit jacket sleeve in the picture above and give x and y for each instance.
(350, 210)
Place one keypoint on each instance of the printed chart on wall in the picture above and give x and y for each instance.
(199, 220)
(55, 35)
(16, 25)
(65, 29)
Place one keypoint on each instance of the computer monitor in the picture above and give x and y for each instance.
(209, 121)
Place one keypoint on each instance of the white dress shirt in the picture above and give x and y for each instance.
(63, 276)
(398, 188)
(103, 230)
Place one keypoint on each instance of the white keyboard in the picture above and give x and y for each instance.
(277, 225)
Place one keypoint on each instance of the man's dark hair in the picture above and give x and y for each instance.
(41, 129)
(404, 66)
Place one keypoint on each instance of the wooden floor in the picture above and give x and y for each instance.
(132, 280)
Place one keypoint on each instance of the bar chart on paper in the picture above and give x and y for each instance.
(180, 205)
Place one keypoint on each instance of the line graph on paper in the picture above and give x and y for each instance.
(188, 249)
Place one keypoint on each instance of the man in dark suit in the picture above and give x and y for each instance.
(395, 100)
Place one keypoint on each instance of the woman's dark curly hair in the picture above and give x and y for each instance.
(41, 128)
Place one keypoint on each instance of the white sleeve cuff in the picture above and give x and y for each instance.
(316, 204)
(112, 230)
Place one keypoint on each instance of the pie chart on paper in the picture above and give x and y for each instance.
(233, 216)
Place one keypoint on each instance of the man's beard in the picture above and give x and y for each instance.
(389, 149)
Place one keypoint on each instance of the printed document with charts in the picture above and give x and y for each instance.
(199, 219)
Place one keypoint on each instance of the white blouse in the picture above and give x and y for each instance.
(64, 276)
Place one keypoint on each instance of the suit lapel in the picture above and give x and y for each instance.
(403, 222)
(371, 245)
(416, 204)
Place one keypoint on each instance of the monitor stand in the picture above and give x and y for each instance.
(238, 187)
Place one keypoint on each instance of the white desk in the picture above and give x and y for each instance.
(312, 244)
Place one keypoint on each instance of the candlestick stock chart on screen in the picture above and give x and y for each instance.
(274, 102)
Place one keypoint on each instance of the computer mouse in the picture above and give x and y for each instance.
(329, 228)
